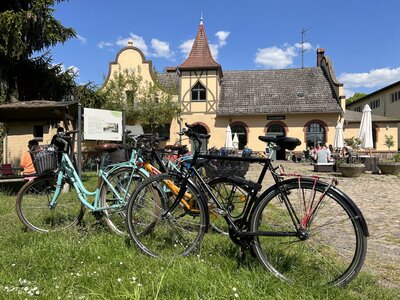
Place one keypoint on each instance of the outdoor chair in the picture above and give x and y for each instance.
(6, 170)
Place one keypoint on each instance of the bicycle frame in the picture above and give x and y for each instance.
(299, 225)
(67, 169)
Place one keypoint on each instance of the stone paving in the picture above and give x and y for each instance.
(378, 198)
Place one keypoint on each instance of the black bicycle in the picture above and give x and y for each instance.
(301, 229)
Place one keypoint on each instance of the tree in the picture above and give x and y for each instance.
(123, 92)
(389, 141)
(156, 108)
(89, 95)
(353, 142)
(147, 103)
(355, 97)
(28, 26)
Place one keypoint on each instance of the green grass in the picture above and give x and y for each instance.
(89, 262)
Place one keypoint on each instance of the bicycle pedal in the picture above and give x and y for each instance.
(219, 211)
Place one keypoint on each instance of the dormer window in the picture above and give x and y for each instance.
(198, 92)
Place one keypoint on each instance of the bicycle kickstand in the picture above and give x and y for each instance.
(240, 257)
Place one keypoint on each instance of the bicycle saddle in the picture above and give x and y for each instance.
(174, 147)
(108, 147)
(288, 143)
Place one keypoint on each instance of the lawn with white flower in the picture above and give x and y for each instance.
(90, 262)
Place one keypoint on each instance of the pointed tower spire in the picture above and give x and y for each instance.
(200, 56)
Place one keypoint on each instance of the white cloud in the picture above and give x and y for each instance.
(280, 57)
(161, 49)
(222, 36)
(186, 47)
(103, 44)
(372, 79)
(82, 39)
(275, 58)
(348, 93)
(306, 46)
(74, 69)
(214, 49)
(137, 40)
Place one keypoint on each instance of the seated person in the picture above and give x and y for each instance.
(26, 160)
(323, 156)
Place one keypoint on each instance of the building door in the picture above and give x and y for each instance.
(200, 129)
(277, 130)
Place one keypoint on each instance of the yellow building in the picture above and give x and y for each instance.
(385, 105)
(305, 103)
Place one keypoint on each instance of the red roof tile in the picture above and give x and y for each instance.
(200, 55)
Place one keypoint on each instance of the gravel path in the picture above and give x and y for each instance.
(378, 198)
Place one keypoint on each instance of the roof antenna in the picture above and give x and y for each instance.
(303, 32)
(201, 18)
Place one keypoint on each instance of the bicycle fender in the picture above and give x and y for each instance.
(203, 203)
(360, 218)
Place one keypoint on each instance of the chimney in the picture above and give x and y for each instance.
(320, 56)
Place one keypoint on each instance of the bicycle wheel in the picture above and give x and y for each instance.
(157, 232)
(330, 246)
(233, 196)
(124, 182)
(33, 205)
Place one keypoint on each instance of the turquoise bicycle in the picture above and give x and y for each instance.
(49, 202)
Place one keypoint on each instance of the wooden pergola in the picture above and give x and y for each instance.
(67, 112)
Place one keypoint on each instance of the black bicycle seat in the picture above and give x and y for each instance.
(289, 143)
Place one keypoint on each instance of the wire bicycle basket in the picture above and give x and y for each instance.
(44, 158)
(121, 155)
(225, 168)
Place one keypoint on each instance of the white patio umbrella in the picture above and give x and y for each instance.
(235, 141)
(365, 131)
(338, 142)
(228, 138)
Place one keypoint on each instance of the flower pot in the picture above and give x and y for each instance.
(351, 170)
(392, 168)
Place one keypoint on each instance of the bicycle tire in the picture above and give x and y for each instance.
(233, 195)
(124, 180)
(32, 205)
(177, 233)
(331, 249)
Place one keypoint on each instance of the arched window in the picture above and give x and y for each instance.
(276, 130)
(241, 132)
(198, 92)
(315, 133)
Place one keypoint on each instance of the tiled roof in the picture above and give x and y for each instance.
(169, 80)
(303, 90)
(355, 117)
(200, 55)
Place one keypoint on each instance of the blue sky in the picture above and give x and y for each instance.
(361, 37)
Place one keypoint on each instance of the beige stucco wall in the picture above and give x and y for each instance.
(382, 129)
(387, 108)
(256, 126)
(17, 137)
(131, 58)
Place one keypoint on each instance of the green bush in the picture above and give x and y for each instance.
(396, 157)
